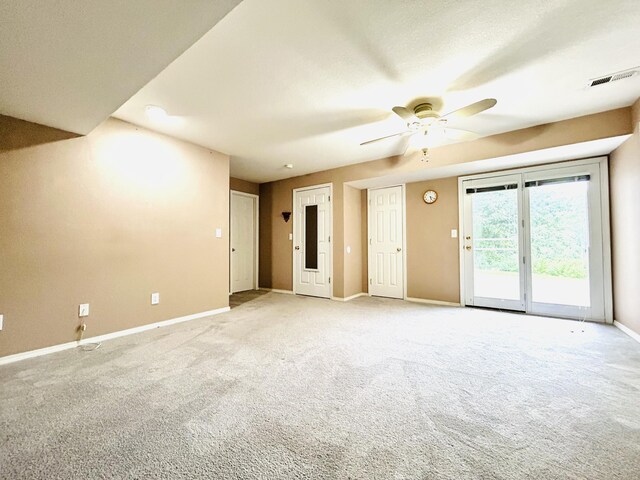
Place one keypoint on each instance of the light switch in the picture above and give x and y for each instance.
(155, 298)
(348, 249)
(454, 233)
(218, 233)
(83, 310)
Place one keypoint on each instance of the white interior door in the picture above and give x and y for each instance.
(312, 241)
(386, 242)
(243, 242)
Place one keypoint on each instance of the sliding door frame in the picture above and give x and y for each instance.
(603, 164)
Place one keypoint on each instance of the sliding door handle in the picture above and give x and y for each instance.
(297, 247)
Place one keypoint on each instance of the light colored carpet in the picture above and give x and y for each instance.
(294, 387)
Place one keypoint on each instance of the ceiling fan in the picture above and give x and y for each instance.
(427, 126)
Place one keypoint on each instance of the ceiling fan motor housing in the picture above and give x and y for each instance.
(425, 110)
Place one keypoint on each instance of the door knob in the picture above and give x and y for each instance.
(297, 247)
(398, 249)
(468, 247)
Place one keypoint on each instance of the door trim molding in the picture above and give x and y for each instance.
(403, 187)
(293, 228)
(603, 163)
(256, 200)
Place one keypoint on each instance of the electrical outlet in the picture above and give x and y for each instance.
(218, 233)
(291, 236)
(1, 321)
(155, 298)
(83, 311)
(454, 233)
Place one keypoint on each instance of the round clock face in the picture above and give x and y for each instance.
(430, 196)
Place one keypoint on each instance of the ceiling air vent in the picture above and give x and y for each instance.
(613, 77)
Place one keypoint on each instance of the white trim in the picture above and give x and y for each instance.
(606, 240)
(627, 330)
(432, 302)
(256, 204)
(277, 290)
(461, 263)
(404, 241)
(535, 168)
(331, 235)
(101, 338)
(346, 299)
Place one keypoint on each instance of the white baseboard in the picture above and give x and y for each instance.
(277, 290)
(627, 330)
(346, 299)
(16, 357)
(432, 302)
(101, 338)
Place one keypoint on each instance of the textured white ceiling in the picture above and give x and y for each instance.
(70, 63)
(306, 81)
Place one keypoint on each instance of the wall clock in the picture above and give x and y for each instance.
(430, 196)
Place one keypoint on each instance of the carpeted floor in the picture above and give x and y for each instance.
(294, 387)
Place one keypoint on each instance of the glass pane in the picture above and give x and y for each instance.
(311, 237)
(495, 246)
(560, 244)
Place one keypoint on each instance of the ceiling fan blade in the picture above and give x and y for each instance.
(406, 114)
(472, 109)
(384, 138)
(458, 134)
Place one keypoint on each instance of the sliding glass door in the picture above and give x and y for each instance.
(533, 242)
(564, 242)
(493, 243)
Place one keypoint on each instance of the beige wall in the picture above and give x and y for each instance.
(275, 197)
(433, 267)
(106, 219)
(624, 166)
(244, 186)
(353, 222)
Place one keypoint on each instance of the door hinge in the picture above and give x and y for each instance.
(523, 260)
(329, 197)
(370, 241)
(370, 282)
(329, 279)
(329, 238)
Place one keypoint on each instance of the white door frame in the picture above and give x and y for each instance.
(293, 243)
(404, 237)
(256, 203)
(603, 163)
